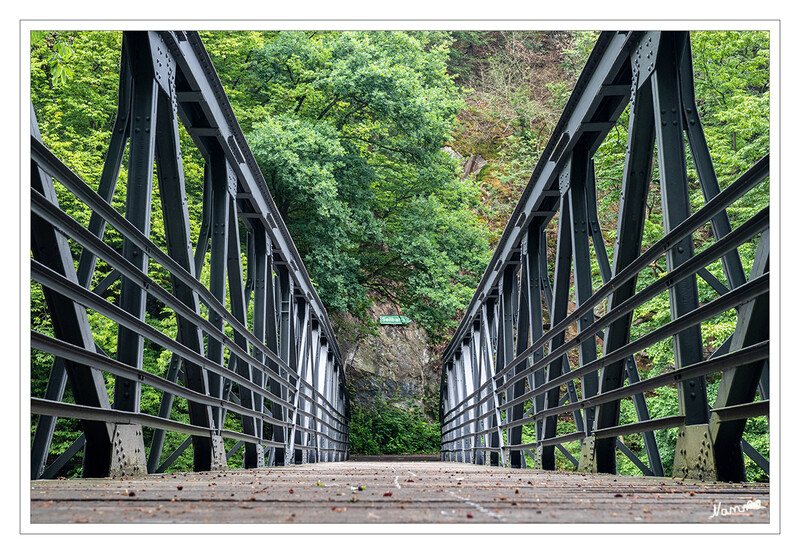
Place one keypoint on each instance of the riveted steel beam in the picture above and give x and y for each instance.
(676, 208)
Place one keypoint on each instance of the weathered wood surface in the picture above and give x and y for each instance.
(394, 492)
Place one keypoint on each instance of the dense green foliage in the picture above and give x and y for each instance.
(515, 85)
(389, 429)
(347, 129)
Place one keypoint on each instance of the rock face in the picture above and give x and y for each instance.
(393, 363)
(472, 165)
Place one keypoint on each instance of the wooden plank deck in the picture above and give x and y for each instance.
(394, 492)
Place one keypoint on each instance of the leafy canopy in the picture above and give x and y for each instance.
(349, 135)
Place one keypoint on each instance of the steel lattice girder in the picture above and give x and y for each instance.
(169, 75)
(652, 73)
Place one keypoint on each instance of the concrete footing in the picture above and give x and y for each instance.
(694, 454)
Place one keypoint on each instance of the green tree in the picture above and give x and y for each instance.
(350, 144)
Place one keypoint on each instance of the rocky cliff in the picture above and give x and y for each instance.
(394, 364)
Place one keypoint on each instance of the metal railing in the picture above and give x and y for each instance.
(253, 355)
(505, 377)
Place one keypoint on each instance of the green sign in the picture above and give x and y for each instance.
(394, 320)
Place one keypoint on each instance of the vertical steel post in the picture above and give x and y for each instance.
(132, 298)
(537, 268)
(497, 453)
(223, 183)
(295, 437)
(475, 355)
(631, 371)
(559, 311)
(331, 433)
(469, 388)
(271, 326)
(579, 162)
(294, 356)
(172, 190)
(316, 372)
(444, 406)
(458, 373)
(522, 334)
(258, 266)
(482, 376)
(253, 455)
(740, 384)
(285, 288)
(635, 184)
(452, 397)
(319, 395)
(688, 344)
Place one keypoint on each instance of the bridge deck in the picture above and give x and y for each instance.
(392, 491)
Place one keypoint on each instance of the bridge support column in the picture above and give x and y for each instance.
(218, 459)
(694, 454)
(558, 311)
(588, 461)
(127, 452)
(537, 458)
(138, 198)
(676, 207)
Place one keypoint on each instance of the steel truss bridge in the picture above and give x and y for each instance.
(524, 357)
(510, 371)
(273, 382)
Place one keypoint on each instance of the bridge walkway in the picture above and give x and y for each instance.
(390, 491)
